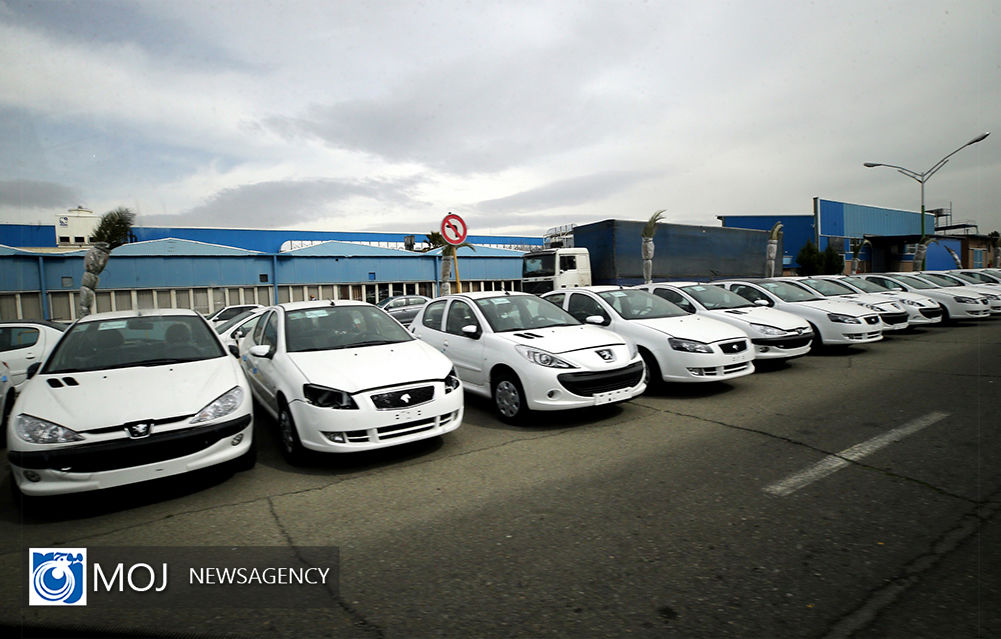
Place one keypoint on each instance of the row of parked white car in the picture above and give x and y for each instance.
(119, 398)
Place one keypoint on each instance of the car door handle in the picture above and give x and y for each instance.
(444, 344)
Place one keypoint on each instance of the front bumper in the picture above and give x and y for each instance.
(782, 347)
(85, 467)
(549, 389)
(366, 428)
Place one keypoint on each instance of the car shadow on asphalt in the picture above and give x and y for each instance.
(481, 409)
(683, 390)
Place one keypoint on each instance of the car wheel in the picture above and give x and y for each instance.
(654, 378)
(509, 398)
(291, 445)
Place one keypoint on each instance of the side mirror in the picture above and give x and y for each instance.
(261, 350)
(471, 330)
(33, 369)
(234, 351)
(761, 303)
(595, 319)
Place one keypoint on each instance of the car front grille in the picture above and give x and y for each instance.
(785, 342)
(720, 371)
(129, 453)
(590, 384)
(871, 319)
(931, 313)
(393, 431)
(406, 398)
(733, 347)
(894, 318)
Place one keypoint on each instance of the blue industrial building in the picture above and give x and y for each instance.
(892, 233)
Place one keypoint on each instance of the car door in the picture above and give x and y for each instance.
(582, 306)
(464, 348)
(429, 329)
(20, 347)
(261, 370)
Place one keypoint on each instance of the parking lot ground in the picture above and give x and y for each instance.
(649, 518)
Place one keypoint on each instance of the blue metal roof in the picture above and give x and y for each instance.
(334, 248)
(481, 251)
(171, 246)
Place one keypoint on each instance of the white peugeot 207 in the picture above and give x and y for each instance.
(344, 376)
(126, 397)
(528, 354)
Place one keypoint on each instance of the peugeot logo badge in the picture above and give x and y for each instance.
(606, 354)
(405, 398)
(138, 431)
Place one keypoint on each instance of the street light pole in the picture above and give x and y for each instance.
(921, 178)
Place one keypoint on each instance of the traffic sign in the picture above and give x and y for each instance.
(453, 229)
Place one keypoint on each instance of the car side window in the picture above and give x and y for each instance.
(676, 297)
(270, 337)
(890, 284)
(15, 337)
(415, 301)
(583, 306)
(258, 337)
(750, 293)
(459, 315)
(432, 315)
(248, 326)
(556, 299)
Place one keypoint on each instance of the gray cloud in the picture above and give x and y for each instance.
(36, 194)
(569, 192)
(283, 203)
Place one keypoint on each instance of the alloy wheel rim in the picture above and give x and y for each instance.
(286, 427)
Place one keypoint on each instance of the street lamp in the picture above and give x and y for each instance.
(921, 178)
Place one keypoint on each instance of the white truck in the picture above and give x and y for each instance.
(553, 269)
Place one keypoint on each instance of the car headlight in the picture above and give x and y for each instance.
(328, 397)
(220, 407)
(38, 431)
(767, 330)
(991, 296)
(451, 381)
(542, 358)
(838, 318)
(912, 303)
(966, 300)
(689, 345)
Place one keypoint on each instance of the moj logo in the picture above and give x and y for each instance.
(58, 577)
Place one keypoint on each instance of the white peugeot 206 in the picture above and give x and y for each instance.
(345, 376)
(527, 354)
(127, 397)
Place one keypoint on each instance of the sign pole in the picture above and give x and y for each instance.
(453, 230)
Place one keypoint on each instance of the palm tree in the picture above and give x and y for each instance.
(994, 240)
(772, 250)
(647, 247)
(111, 232)
(434, 240)
(856, 253)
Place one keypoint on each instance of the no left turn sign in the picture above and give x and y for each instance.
(453, 229)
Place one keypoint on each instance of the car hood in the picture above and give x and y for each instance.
(871, 298)
(357, 369)
(563, 339)
(111, 397)
(695, 327)
(762, 315)
(831, 306)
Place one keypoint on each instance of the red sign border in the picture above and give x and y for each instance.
(465, 229)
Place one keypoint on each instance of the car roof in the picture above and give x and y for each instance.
(142, 312)
(33, 322)
(298, 306)
(480, 295)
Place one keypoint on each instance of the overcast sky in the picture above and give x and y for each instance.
(519, 116)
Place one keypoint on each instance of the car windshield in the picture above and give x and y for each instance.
(522, 312)
(942, 280)
(228, 324)
(334, 327)
(828, 287)
(632, 304)
(154, 340)
(966, 278)
(914, 282)
(866, 285)
(538, 265)
(788, 292)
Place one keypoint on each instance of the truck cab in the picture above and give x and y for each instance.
(553, 269)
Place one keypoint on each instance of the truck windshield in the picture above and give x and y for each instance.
(507, 313)
(539, 265)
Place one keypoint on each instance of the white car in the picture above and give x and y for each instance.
(22, 343)
(956, 304)
(233, 330)
(921, 309)
(676, 346)
(979, 275)
(988, 291)
(229, 312)
(833, 323)
(892, 314)
(527, 354)
(775, 334)
(127, 397)
(344, 376)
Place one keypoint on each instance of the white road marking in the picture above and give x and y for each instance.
(833, 463)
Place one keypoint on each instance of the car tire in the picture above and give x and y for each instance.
(509, 398)
(654, 378)
(8, 406)
(291, 445)
(818, 340)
